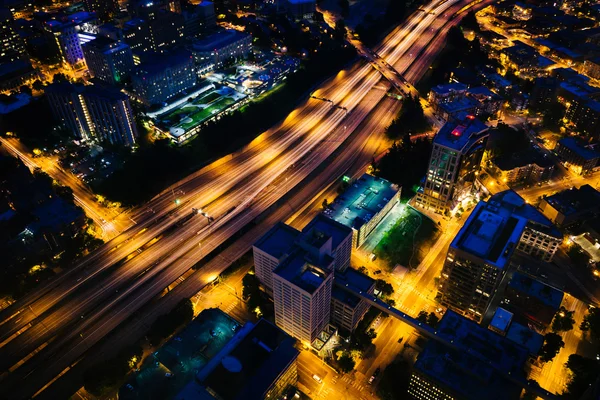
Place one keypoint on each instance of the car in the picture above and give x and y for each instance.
(317, 378)
(374, 376)
(169, 375)
(372, 257)
(128, 386)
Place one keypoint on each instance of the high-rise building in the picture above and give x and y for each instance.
(321, 238)
(93, 113)
(216, 49)
(154, 29)
(455, 159)
(164, 76)
(302, 296)
(104, 9)
(271, 249)
(108, 60)
(69, 32)
(68, 107)
(111, 116)
(12, 47)
(481, 253)
(199, 18)
(348, 309)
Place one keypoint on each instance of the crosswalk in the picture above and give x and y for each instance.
(349, 381)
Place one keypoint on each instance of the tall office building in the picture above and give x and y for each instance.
(321, 238)
(455, 158)
(108, 60)
(481, 253)
(297, 267)
(111, 116)
(93, 113)
(68, 107)
(302, 296)
(164, 76)
(12, 47)
(154, 28)
(199, 18)
(104, 9)
(69, 32)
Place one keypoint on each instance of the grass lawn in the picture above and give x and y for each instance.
(409, 241)
(207, 112)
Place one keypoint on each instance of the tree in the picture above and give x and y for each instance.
(346, 362)
(37, 85)
(384, 287)
(251, 291)
(60, 77)
(325, 204)
(422, 317)
(470, 22)
(432, 320)
(552, 345)
(591, 323)
(584, 371)
(410, 119)
(563, 320)
(363, 270)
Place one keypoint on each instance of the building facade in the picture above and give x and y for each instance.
(69, 32)
(12, 47)
(92, 113)
(302, 298)
(576, 156)
(164, 77)
(216, 49)
(455, 159)
(108, 60)
(157, 33)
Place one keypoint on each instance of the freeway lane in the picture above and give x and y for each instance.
(257, 186)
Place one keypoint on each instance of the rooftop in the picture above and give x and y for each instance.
(362, 201)
(524, 336)
(462, 134)
(466, 374)
(105, 44)
(246, 368)
(449, 88)
(572, 144)
(159, 62)
(502, 319)
(534, 288)
(331, 228)
(575, 200)
(482, 344)
(483, 91)
(494, 228)
(298, 270)
(518, 159)
(53, 215)
(458, 105)
(278, 241)
(219, 40)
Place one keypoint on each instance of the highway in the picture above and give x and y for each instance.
(67, 318)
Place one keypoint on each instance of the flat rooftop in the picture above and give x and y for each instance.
(575, 200)
(219, 40)
(533, 288)
(464, 104)
(461, 134)
(247, 368)
(521, 158)
(362, 201)
(482, 344)
(298, 270)
(572, 144)
(466, 375)
(329, 227)
(449, 88)
(494, 228)
(502, 319)
(525, 337)
(278, 241)
(354, 279)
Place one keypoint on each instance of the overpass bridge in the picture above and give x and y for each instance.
(444, 337)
